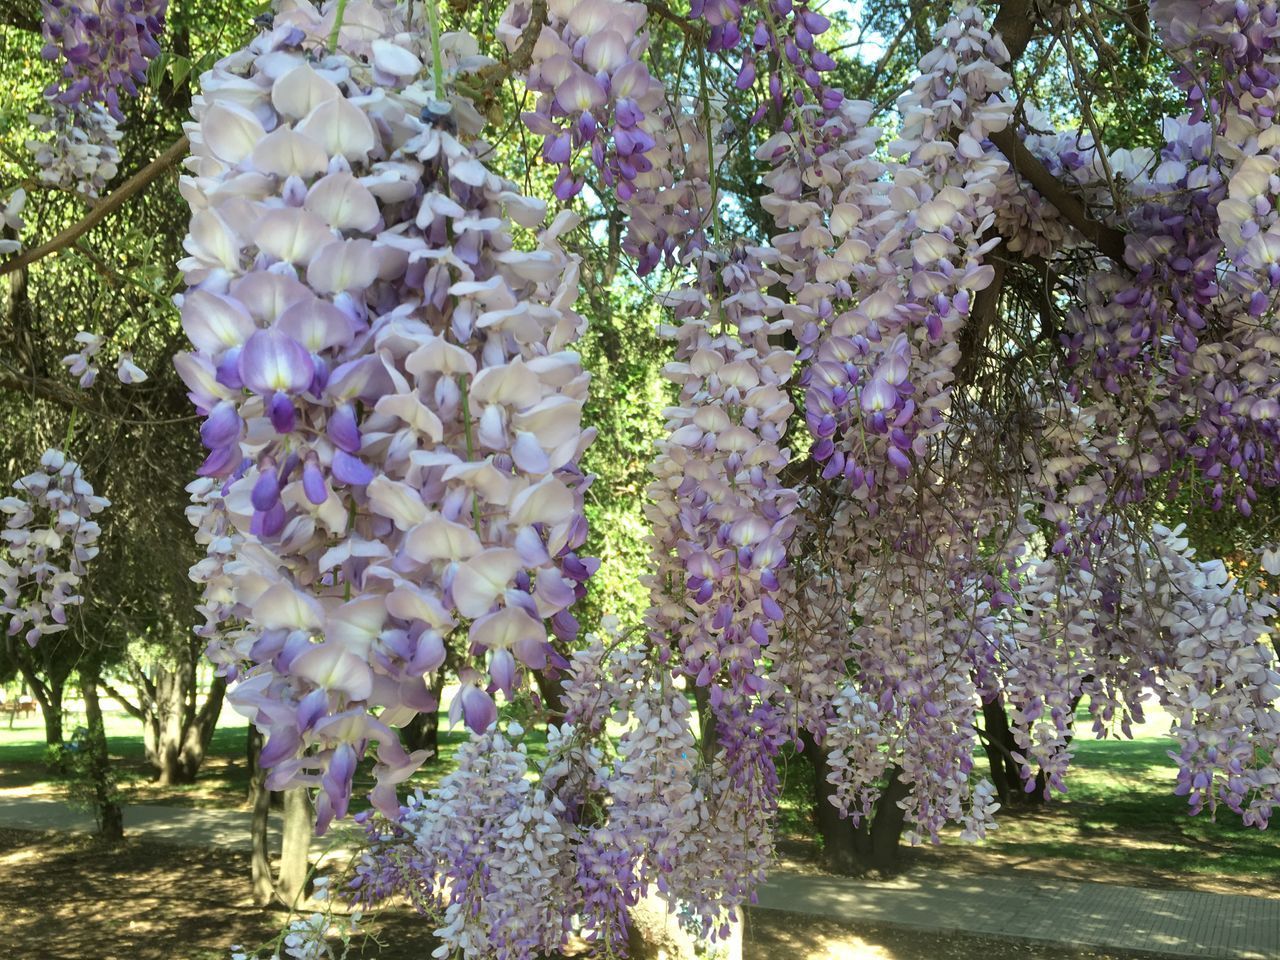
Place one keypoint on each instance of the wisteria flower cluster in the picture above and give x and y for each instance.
(390, 402)
(83, 364)
(595, 92)
(102, 47)
(48, 539)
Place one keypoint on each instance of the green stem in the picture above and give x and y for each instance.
(466, 419)
(71, 429)
(437, 60)
(337, 25)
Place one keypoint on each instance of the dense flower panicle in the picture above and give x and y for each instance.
(488, 849)
(79, 150)
(777, 42)
(595, 95)
(598, 102)
(885, 280)
(49, 537)
(391, 405)
(102, 47)
(1158, 623)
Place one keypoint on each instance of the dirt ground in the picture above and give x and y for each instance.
(64, 897)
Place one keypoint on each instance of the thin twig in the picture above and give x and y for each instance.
(126, 192)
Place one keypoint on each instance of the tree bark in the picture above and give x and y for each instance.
(874, 845)
(175, 731)
(299, 827)
(290, 885)
(999, 744)
(107, 808)
(260, 797)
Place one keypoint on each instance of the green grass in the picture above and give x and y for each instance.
(1120, 810)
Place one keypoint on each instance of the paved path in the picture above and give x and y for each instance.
(182, 826)
(1175, 923)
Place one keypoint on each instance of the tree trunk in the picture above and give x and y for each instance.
(291, 885)
(873, 846)
(260, 859)
(175, 732)
(999, 744)
(299, 827)
(51, 711)
(107, 808)
(878, 842)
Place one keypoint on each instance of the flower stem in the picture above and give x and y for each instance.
(337, 25)
(437, 61)
(466, 419)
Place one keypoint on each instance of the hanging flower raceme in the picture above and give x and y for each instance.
(777, 41)
(48, 539)
(79, 150)
(102, 47)
(594, 92)
(1152, 619)
(389, 398)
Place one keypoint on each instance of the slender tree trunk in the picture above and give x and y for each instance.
(290, 885)
(999, 744)
(874, 845)
(878, 841)
(109, 815)
(264, 888)
(299, 827)
(51, 712)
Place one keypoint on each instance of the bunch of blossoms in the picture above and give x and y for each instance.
(79, 148)
(84, 362)
(229, 644)
(905, 271)
(356, 299)
(809, 660)
(48, 539)
(776, 35)
(1151, 619)
(720, 512)
(925, 582)
(1184, 331)
(721, 518)
(489, 854)
(594, 91)
(103, 46)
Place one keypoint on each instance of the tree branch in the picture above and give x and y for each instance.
(122, 195)
(121, 699)
(495, 74)
(1016, 22)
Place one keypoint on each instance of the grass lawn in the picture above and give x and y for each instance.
(1120, 819)
(223, 779)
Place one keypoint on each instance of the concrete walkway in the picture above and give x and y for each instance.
(181, 826)
(1172, 923)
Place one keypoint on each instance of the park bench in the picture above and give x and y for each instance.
(19, 708)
